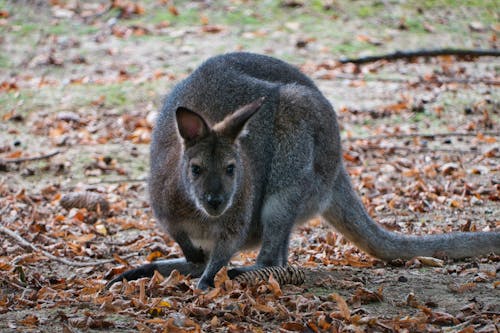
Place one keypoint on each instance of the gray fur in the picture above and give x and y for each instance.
(287, 169)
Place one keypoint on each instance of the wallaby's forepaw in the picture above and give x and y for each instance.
(203, 284)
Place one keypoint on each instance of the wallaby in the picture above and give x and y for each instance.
(244, 149)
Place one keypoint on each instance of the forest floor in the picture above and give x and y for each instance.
(80, 86)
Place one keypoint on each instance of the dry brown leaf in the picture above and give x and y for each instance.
(342, 304)
(293, 326)
(173, 10)
(213, 293)
(468, 329)
(274, 286)
(430, 261)
(443, 319)
(30, 320)
(364, 296)
(142, 291)
(154, 255)
(264, 308)
(204, 20)
(5, 266)
(463, 288)
(213, 28)
(221, 277)
(15, 154)
(397, 107)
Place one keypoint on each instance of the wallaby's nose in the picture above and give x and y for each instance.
(214, 200)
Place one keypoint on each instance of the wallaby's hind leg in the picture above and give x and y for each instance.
(284, 252)
(274, 252)
(193, 264)
(276, 233)
(165, 267)
(301, 177)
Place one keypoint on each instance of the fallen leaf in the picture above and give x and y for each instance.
(342, 304)
(430, 261)
(274, 286)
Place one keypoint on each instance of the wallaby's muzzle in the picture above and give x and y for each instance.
(214, 201)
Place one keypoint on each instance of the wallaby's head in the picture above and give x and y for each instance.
(212, 165)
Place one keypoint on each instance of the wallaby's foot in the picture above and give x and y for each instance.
(204, 283)
(164, 267)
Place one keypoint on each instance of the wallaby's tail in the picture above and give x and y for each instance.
(348, 215)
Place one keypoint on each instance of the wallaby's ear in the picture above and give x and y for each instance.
(191, 125)
(234, 123)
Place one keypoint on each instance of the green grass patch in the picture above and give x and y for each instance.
(22, 101)
(4, 61)
(366, 11)
(187, 16)
(352, 47)
(21, 28)
(459, 3)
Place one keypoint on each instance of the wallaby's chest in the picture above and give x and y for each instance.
(200, 234)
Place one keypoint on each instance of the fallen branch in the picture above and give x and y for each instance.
(421, 135)
(24, 243)
(422, 53)
(343, 76)
(28, 159)
(420, 150)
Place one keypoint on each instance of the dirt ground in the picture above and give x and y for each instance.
(80, 85)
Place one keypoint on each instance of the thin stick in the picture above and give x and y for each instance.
(116, 181)
(421, 135)
(27, 159)
(422, 53)
(23, 242)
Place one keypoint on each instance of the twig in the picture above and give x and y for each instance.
(99, 14)
(422, 53)
(27, 159)
(12, 283)
(23, 242)
(421, 135)
(117, 181)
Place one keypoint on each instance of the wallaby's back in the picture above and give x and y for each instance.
(224, 83)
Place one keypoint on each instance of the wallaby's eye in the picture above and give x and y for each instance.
(195, 170)
(230, 170)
